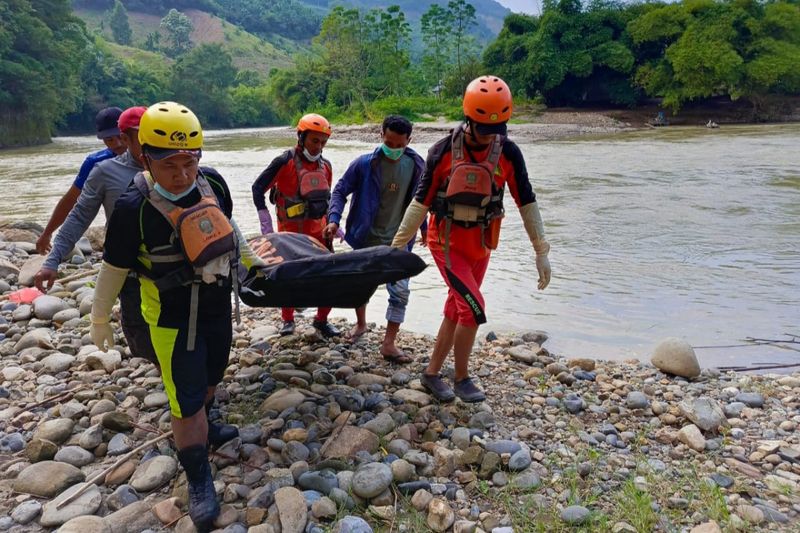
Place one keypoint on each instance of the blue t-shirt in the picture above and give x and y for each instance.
(89, 163)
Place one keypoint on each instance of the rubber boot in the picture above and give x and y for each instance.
(203, 504)
(219, 434)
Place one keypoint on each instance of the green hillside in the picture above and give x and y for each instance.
(247, 50)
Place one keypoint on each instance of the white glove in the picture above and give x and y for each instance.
(412, 220)
(101, 334)
(534, 227)
(543, 267)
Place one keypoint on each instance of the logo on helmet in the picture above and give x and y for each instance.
(493, 117)
(178, 136)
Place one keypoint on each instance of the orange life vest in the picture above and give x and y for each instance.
(312, 196)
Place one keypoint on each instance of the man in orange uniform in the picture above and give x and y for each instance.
(465, 176)
(299, 181)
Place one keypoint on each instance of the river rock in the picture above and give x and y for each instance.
(440, 515)
(119, 445)
(707, 527)
(154, 473)
(705, 413)
(108, 361)
(75, 456)
(45, 307)
(29, 270)
(26, 511)
(13, 442)
(413, 397)
(750, 399)
(637, 400)
(85, 504)
(40, 450)
(57, 362)
(350, 441)
(282, 399)
(575, 514)
(750, 513)
(291, 509)
(36, 337)
(371, 479)
(86, 524)
(520, 461)
(168, 511)
(155, 399)
(91, 438)
(57, 430)
(135, 517)
(123, 495)
(690, 435)
(116, 421)
(7, 268)
(66, 315)
(352, 524)
(47, 478)
(676, 356)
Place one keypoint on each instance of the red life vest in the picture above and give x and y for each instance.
(313, 194)
(469, 197)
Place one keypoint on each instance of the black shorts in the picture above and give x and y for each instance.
(188, 374)
(134, 327)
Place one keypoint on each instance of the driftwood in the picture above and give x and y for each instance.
(57, 397)
(344, 417)
(101, 477)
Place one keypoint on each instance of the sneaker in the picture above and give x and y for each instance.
(203, 503)
(219, 434)
(326, 329)
(436, 386)
(287, 328)
(468, 391)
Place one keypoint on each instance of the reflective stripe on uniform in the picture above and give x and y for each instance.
(164, 344)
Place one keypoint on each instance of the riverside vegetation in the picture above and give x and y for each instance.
(333, 438)
(258, 62)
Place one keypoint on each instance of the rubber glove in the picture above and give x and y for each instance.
(534, 227)
(340, 234)
(412, 220)
(266, 221)
(109, 282)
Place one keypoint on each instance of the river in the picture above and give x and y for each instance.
(681, 232)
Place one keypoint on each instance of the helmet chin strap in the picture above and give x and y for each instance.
(472, 141)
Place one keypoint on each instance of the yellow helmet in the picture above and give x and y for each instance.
(171, 126)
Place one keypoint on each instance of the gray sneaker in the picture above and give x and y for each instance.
(436, 386)
(468, 391)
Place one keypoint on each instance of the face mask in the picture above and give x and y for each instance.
(171, 196)
(309, 156)
(392, 153)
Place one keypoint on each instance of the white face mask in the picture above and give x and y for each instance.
(310, 157)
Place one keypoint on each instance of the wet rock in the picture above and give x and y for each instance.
(676, 356)
(47, 478)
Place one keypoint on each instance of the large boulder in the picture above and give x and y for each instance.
(676, 356)
(48, 478)
(29, 270)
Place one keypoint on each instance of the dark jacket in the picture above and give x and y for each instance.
(363, 180)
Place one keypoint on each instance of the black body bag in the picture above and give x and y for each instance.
(302, 272)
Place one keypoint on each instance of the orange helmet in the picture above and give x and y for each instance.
(314, 122)
(487, 100)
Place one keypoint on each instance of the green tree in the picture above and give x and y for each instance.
(201, 78)
(179, 28)
(42, 49)
(120, 27)
(462, 15)
(436, 27)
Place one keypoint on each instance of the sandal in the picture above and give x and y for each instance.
(397, 358)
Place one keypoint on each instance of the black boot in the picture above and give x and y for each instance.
(219, 434)
(203, 504)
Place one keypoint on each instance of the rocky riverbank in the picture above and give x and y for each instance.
(333, 438)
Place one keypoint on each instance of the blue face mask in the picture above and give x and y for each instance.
(172, 197)
(392, 153)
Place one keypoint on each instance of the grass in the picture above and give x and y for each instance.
(245, 411)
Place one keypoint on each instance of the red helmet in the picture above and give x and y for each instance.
(487, 100)
(314, 122)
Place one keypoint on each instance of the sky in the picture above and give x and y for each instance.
(521, 6)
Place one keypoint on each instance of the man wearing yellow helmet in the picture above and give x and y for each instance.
(299, 182)
(173, 227)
